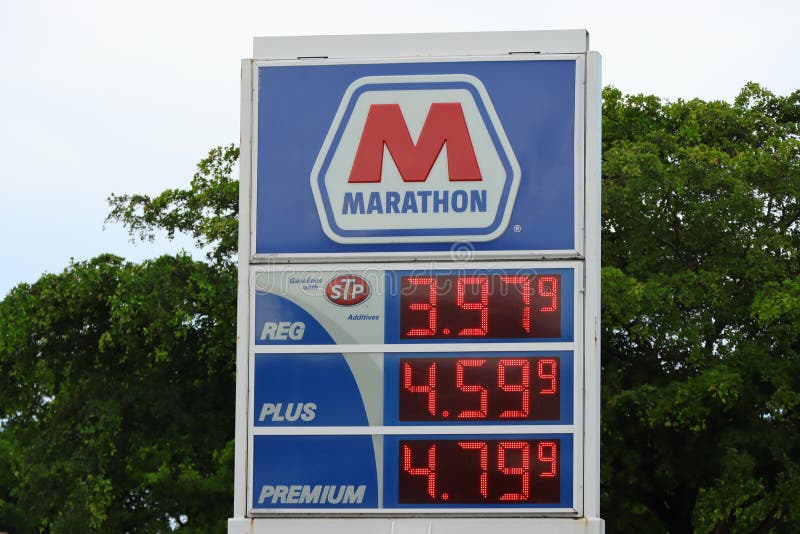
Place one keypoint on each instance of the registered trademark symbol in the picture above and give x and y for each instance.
(517, 228)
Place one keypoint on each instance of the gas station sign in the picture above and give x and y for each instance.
(419, 285)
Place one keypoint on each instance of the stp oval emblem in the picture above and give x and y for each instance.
(347, 290)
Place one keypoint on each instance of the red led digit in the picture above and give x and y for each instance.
(472, 388)
(551, 292)
(429, 306)
(548, 453)
(482, 305)
(524, 282)
(477, 469)
(523, 470)
(429, 471)
(429, 388)
(483, 448)
(524, 386)
(478, 387)
(547, 369)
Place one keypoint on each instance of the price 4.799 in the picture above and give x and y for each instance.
(479, 471)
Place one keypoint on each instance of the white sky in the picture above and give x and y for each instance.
(101, 97)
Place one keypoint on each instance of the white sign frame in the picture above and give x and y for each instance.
(420, 46)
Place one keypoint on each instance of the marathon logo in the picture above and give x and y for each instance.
(306, 494)
(415, 159)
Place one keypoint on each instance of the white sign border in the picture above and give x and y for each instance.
(558, 41)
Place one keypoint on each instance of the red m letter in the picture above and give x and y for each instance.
(385, 124)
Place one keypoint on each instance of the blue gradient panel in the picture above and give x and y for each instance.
(306, 390)
(314, 472)
(280, 321)
(534, 102)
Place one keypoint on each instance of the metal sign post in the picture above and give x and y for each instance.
(419, 287)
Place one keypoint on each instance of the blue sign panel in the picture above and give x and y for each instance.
(420, 471)
(406, 157)
(387, 387)
(512, 390)
(415, 389)
(314, 472)
(305, 390)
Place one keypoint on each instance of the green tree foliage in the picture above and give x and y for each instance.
(208, 210)
(117, 384)
(701, 313)
(117, 397)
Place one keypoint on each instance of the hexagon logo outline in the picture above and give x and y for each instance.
(432, 215)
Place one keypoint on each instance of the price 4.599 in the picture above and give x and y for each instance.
(484, 388)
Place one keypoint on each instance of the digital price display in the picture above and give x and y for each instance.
(498, 306)
(479, 471)
(456, 390)
(483, 388)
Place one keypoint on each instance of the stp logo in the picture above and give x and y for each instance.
(415, 159)
(347, 290)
